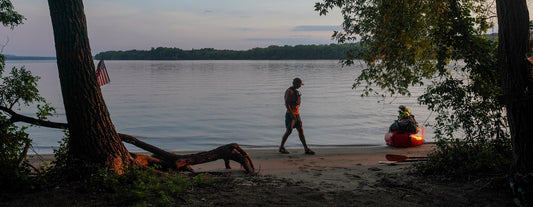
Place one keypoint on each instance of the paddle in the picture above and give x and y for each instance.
(404, 158)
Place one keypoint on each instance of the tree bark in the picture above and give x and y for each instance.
(513, 33)
(93, 138)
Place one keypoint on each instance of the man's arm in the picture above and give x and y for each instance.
(288, 96)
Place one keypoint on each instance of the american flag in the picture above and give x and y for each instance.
(101, 74)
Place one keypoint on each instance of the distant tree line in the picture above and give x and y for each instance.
(298, 52)
(14, 57)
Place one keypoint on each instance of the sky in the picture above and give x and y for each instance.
(185, 24)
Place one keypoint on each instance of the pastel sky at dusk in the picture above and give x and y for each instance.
(185, 24)
(141, 25)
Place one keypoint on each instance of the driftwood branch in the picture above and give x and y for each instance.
(161, 157)
(227, 152)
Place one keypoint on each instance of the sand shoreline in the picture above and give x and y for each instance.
(331, 169)
(270, 161)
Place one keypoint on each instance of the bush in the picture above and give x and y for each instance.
(13, 145)
(458, 159)
(20, 87)
(138, 187)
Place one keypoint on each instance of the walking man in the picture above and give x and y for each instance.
(292, 116)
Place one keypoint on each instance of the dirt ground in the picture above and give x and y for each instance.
(347, 176)
(389, 189)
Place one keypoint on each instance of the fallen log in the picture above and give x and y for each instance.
(160, 157)
(227, 152)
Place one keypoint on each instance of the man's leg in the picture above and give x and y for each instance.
(289, 124)
(284, 138)
(302, 139)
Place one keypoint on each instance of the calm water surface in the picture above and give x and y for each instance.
(200, 105)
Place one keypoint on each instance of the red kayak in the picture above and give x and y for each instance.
(402, 138)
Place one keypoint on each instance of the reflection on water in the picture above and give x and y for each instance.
(198, 105)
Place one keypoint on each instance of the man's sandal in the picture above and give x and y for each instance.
(282, 150)
(309, 152)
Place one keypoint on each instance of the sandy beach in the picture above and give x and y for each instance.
(355, 176)
(331, 168)
(335, 176)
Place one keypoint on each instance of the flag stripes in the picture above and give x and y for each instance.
(101, 74)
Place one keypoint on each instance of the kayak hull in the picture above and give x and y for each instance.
(401, 138)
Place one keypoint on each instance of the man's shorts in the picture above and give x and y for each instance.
(288, 121)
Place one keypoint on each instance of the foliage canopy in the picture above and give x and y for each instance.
(440, 43)
(407, 41)
(8, 16)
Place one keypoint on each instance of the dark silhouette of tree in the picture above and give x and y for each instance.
(513, 33)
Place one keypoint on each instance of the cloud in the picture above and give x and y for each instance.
(310, 28)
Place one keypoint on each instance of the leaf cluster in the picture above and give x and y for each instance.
(469, 99)
(20, 86)
(8, 16)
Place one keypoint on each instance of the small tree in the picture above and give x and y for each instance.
(20, 87)
(413, 43)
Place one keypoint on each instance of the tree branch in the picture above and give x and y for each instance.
(15, 117)
(14, 102)
(227, 152)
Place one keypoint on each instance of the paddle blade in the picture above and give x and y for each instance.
(397, 158)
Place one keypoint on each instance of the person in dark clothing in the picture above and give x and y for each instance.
(292, 116)
(406, 121)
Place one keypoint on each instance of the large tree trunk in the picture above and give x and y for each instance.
(513, 24)
(93, 138)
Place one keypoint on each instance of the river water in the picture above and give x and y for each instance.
(200, 105)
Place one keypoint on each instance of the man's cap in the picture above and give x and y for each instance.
(297, 80)
(402, 107)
